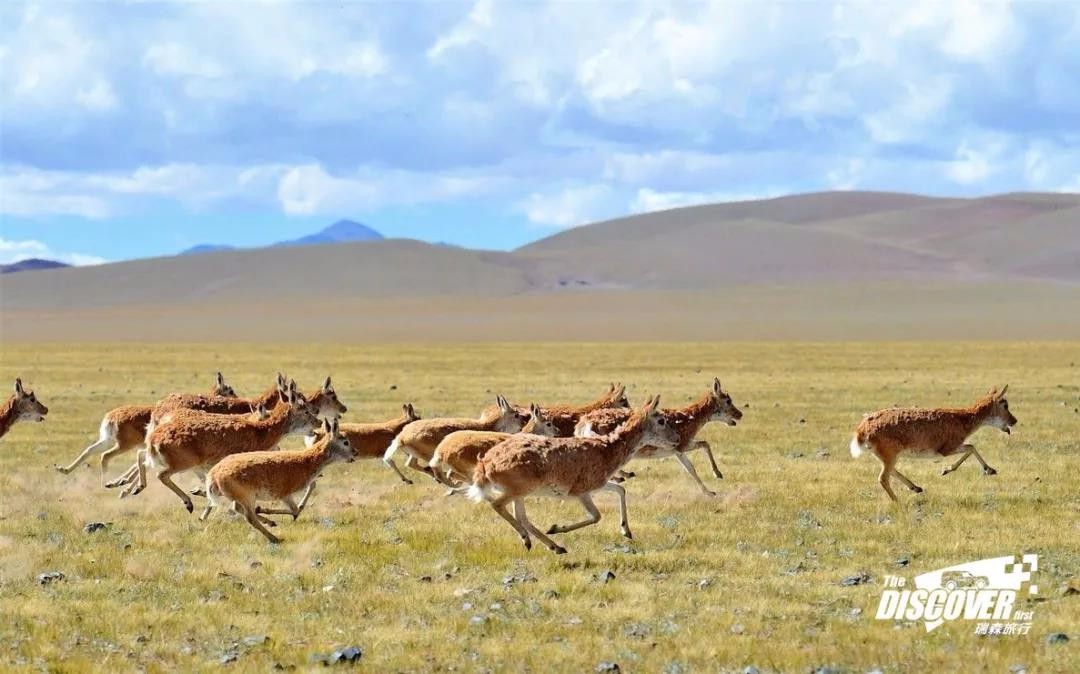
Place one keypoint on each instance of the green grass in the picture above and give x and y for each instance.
(749, 578)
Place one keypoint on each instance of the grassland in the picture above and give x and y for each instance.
(427, 583)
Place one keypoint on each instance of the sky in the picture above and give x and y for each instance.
(134, 129)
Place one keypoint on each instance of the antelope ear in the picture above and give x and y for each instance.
(334, 426)
(406, 409)
(18, 387)
(326, 384)
(220, 380)
(326, 426)
(611, 387)
(1001, 393)
(280, 380)
(716, 385)
(655, 403)
(534, 410)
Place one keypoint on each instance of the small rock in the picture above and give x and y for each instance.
(608, 668)
(49, 577)
(1069, 590)
(551, 594)
(704, 583)
(425, 579)
(903, 560)
(802, 421)
(467, 606)
(857, 579)
(497, 606)
(256, 639)
(750, 669)
(1018, 669)
(348, 655)
(1057, 638)
(738, 628)
(93, 527)
(478, 620)
(876, 670)
(255, 564)
(606, 577)
(574, 620)
(637, 630)
(393, 387)
(826, 669)
(227, 657)
(142, 639)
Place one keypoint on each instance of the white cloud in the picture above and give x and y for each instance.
(915, 115)
(648, 201)
(14, 251)
(569, 207)
(468, 31)
(972, 165)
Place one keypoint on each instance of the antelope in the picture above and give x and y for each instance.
(197, 441)
(325, 399)
(125, 429)
(21, 405)
(273, 476)
(565, 417)
(457, 454)
(523, 465)
(714, 405)
(929, 433)
(368, 440)
(420, 438)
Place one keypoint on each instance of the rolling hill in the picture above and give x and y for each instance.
(843, 265)
(342, 231)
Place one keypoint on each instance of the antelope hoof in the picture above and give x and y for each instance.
(190, 506)
(627, 534)
(527, 542)
(946, 471)
(554, 529)
(559, 550)
(617, 479)
(61, 469)
(718, 475)
(917, 489)
(627, 475)
(274, 540)
(989, 471)
(710, 493)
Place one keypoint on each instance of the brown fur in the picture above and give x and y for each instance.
(370, 440)
(21, 404)
(714, 405)
(457, 454)
(420, 438)
(194, 441)
(929, 433)
(274, 476)
(567, 467)
(565, 417)
(126, 428)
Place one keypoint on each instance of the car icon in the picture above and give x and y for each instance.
(952, 580)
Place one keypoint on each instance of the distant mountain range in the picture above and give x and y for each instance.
(31, 264)
(342, 231)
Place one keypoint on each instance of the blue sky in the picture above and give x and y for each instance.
(135, 129)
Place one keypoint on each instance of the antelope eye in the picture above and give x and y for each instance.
(1005, 404)
(661, 421)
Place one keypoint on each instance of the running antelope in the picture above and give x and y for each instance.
(124, 428)
(368, 440)
(420, 438)
(456, 456)
(324, 399)
(565, 417)
(21, 405)
(929, 433)
(273, 476)
(198, 440)
(523, 465)
(714, 405)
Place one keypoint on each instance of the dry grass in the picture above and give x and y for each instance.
(749, 578)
